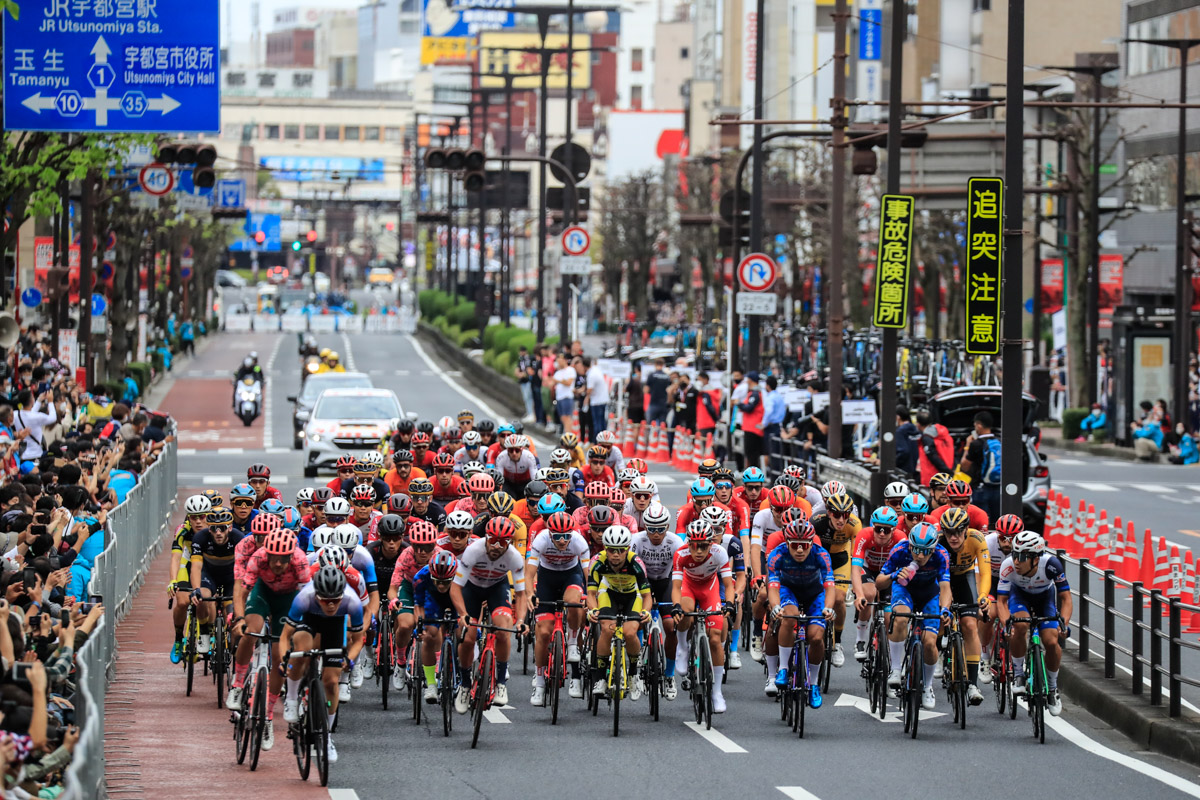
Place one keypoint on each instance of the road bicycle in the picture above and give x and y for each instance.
(700, 667)
(220, 654)
(912, 670)
(525, 642)
(1002, 669)
(587, 658)
(1037, 686)
(385, 660)
(654, 660)
(251, 719)
(794, 697)
(310, 734)
(955, 677)
(617, 677)
(447, 670)
(556, 663)
(483, 677)
(191, 638)
(875, 666)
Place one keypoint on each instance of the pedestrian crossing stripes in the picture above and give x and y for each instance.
(1149, 488)
(192, 478)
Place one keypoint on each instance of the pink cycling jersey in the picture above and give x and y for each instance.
(257, 569)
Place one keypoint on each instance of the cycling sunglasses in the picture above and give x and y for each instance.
(838, 515)
(423, 548)
(241, 503)
(560, 537)
(336, 519)
(364, 503)
(257, 481)
(218, 528)
(642, 496)
(920, 551)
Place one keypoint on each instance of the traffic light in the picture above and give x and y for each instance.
(468, 162)
(296, 246)
(311, 236)
(200, 157)
(864, 161)
(474, 178)
(260, 237)
(58, 282)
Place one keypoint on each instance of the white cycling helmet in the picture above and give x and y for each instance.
(628, 474)
(560, 455)
(373, 457)
(642, 484)
(714, 516)
(305, 495)
(472, 439)
(895, 490)
(542, 474)
(331, 556)
(460, 520)
(472, 467)
(337, 506)
(197, 504)
(617, 536)
(1028, 542)
(321, 537)
(656, 515)
(347, 536)
(446, 423)
(836, 487)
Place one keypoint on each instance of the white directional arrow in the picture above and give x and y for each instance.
(37, 104)
(864, 705)
(101, 51)
(495, 715)
(102, 104)
(166, 104)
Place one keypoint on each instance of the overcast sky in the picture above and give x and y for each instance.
(236, 14)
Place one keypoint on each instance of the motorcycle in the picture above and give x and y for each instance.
(248, 400)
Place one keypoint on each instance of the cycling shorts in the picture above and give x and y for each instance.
(328, 633)
(553, 584)
(1041, 605)
(812, 605)
(404, 595)
(921, 604)
(217, 583)
(496, 596)
(611, 603)
(660, 590)
(269, 605)
(962, 590)
(707, 598)
(841, 569)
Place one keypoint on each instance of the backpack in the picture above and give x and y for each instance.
(989, 473)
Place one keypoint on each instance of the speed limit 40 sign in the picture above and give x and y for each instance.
(156, 179)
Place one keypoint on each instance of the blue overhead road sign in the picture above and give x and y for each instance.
(231, 193)
(113, 65)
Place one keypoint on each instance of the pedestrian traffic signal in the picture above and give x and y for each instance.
(296, 245)
(468, 162)
(311, 236)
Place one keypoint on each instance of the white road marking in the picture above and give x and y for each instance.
(797, 793)
(343, 794)
(230, 451)
(186, 451)
(716, 738)
(268, 408)
(1092, 487)
(496, 715)
(278, 450)
(1118, 464)
(403, 372)
(664, 479)
(374, 372)
(279, 480)
(1068, 462)
(487, 409)
(1153, 488)
(1145, 680)
(349, 358)
(217, 480)
(864, 705)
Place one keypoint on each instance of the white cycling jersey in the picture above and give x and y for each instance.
(475, 566)
(544, 554)
(657, 558)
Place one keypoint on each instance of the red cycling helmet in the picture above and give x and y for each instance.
(500, 529)
(422, 533)
(400, 504)
(421, 438)
(1009, 525)
(322, 496)
(443, 461)
(799, 531)
(560, 522)
(781, 497)
(364, 491)
(280, 542)
(258, 471)
(596, 490)
(958, 490)
(263, 524)
(793, 514)
(443, 566)
(481, 483)
(344, 462)
(639, 464)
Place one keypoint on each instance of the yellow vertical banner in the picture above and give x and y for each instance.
(985, 241)
(895, 257)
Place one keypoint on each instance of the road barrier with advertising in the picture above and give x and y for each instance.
(136, 532)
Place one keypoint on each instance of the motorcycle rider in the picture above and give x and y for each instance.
(248, 369)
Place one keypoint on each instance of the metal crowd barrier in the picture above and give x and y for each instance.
(134, 537)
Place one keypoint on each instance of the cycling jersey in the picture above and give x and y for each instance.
(443, 543)
(345, 486)
(427, 597)
(740, 517)
(762, 526)
(306, 608)
(383, 565)
(733, 546)
(544, 554)
(246, 548)
(869, 555)
(435, 515)
(580, 517)
(658, 559)
(806, 578)
(935, 571)
(216, 560)
(974, 551)
(477, 567)
(996, 556)
(354, 579)
(1050, 576)
(182, 541)
(628, 578)
(977, 518)
(270, 493)
(465, 455)
(703, 571)
(519, 471)
(833, 540)
(520, 535)
(293, 576)
(398, 485)
(456, 488)
(688, 513)
(406, 568)
(366, 529)
(605, 476)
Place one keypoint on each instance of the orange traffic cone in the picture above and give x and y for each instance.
(1103, 545)
(1189, 591)
(1089, 545)
(708, 448)
(1146, 572)
(1050, 527)
(1162, 570)
(697, 452)
(1131, 566)
(658, 445)
(1116, 549)
(643, 441)
(1065, 523)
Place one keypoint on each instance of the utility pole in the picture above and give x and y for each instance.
(756, 176)
(86, 252)
(836, 230)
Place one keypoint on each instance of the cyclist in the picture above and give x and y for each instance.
(999, 543)
(597, 468)
(754, 481)
(337, 512)
(197, 508)
(560, 555)
(570, 442)
(918, 573)
(594, 494)
(516, 464)
(262, 525)
(385, 551)
(431, 599)
(457, 534)
(321, 612)
(617, 584)
(837, 528)
(937, 488)
(615, 459)
(423, 506)
(769, 520)
(447, 486)
(697, 572)
(259, 478)
(616, 501)
(402, 472)
(1033, 581)
(545, 507)
(482, 577)
(800, 580)
(291, 521)
(526, 508)
(487, 433)
(451, 440)
(968, 550)
(598, 521)
(559, 482)
(272, 578)
(726, 498)
(656, 547)
(499, 504)
(798, 488)
(422, 538)
(316, 517)
(914, 509)
(478, 489)
(871, 549)
(241, 505)
(472, 443)
(402, 435)
(422, 457)
(344, 467)
(703, 493)
(718, 520)
(364, 516)
(212, 569)
(642, 491)
(807, 491)
(894, 494)
(958, 495)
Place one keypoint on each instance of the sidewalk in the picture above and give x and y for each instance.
(1052, 439)
(161, 743)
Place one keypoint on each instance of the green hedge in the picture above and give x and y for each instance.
(552, 340)
(525, 339)
(489, 335)
(1071, 419)
(503, 363)
(462, 315)
(469, 339)
(141, 372)
(489, 359)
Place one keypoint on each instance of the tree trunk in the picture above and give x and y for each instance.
(1076, 284)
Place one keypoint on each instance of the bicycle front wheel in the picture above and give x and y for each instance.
(383, 658)
(302, 739)
(482, 694)
(617, 684)
(417, 680)
(446, 682)
(553, 679)
(318, 720)
(219, 657)
(243, 725)
(258, 716)
(704, 679)
(916, 682)
(961, 679)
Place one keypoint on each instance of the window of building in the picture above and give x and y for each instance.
(331, 133)
(392, 134)
(371, 133)
(636, 56)
(352, 133)
(981, 5)
(410, 25)
(312, 132)
(291, 131)
(635, 98)
(270, 131)
(683, 53)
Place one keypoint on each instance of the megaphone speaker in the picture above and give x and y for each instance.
(10, 331)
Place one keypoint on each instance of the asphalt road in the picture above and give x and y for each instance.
(748, 753)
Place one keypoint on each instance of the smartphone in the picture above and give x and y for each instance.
(65, 618)
(38, 530)
(29, 578)
(19, 671)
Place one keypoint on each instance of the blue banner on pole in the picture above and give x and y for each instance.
(870, 34)
(113, 65)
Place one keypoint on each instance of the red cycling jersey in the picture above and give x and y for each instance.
(870, 555)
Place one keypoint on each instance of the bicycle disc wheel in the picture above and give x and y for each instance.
(219, 658)
(482, 690)
(383, 659)
(418, 682)
(319, 720)
(302, 739)
(617, 685)
(445, 677)
(553, 684)
(243, 725)
(258, 716)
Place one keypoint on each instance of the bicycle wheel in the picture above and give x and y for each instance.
(1012, 699)
(242, 724)
(481, 694)
(1037, 693)
(553, 678)
(190, 651)
(654, 671)
(916, 682)
(827, 663)
(800, 662)
(882, 669)
(960, 682)
(219, 657)
(446, 674)
(258, 716)
(616, 683)
(319, 721)
(418, 681)
(301, 739)
(999, 678)
(704, 680)
(383, 657)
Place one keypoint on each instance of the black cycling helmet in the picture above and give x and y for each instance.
(485, 426)
(401, 456)
(329, 582)
(534, 490)
(425, 427)
(601, 516)
(390, 525)
(405, 426)
(517, 426)
(790, 482)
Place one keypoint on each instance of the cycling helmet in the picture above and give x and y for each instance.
(643, 485)
(954, 520)
(550, 503)
(606, 438)
(958, 490)
(214, 497)
(535, 489)
(472, 439)
(895, 490)
(321, 537)
(569, 441)
(781, 497)
(263, 524)
(242, 490)
(595, 490)
(338, 507)
(421, 439)
(466, 414)
(344, 462)
(556, 476)
(708, 467)
(616, 536)
(220, 516)
(272, 506)
(627, 475)
(702, 487)
(715, 517)
(796, 471)
(390, 525)
(831, 488)
(321, 496)
(885, 516)
(793, 514)
(364, 467)
(541, 474)
(940, 481)
(504, 429)
(460, 520)
(485, 426)
(915, 503)
(445, 422)
(800, 530)
(347, 536)
(500, 504)
(790, 482)
(723, 474)
(443, 566)
(616, 494)
(601, 517)
(402, 456)
(753, 475)
(656, 517)
(305, 495)
(258, 471)
(472, 468)
(423, 533)
(699, 531)
(512, 442)
(405, 426)
(496, 474)
(421, 487)
(400, 504)
(518, 426)
(597, 452)
(922, 538)
(197, 504)
(1028, 543)
(290, 518)
(329, 582)
(280, 543)
(840, 504)
(560, 455)
(374, 458)
(1009, 525)
(639, 464)
(481, 484)
(332, 556)
(500, 529)
(560, 522)
(443, 461)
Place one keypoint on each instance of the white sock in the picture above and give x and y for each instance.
(860, 630)
(293, 688)
(785, 655)
(1053, 676)
(539, 680)
(718, 672)
(1019, 665)
(929, 676)
(572, 635)
(896, 651)
(681, 656)
(330, 717)
(772, 666)
(808, 672)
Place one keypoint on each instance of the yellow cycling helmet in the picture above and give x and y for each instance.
(954, 520)
(324, 352)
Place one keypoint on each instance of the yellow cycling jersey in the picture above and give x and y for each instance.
(833, 540)
(629, 578)
(974, 551)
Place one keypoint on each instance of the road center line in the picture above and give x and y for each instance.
(343, 794)
(716, 738)
(797, 793)
(429, 362)
(269, 407)
(349, 352)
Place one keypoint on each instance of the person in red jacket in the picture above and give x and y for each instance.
(936, 451)
(752, 422)
(958, 495)
(446, 485)
(708, 405)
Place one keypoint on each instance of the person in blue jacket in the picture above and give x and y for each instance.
(1186, 452)
(1093, 423)
(1147, 438)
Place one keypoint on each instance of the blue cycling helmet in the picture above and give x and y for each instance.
(290, 516)
(242, 490)
(504, 430)
(550, 503)
(915, 504)
(703, 487)
(753, 475)
(886, 516)
(272, 506)
(922, 538)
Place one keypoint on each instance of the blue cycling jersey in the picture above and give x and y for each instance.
(305, 604)
(935, 570)
(426, 595)
(361, 560)
(805, 577)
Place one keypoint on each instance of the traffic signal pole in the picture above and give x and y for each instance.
(754, 343)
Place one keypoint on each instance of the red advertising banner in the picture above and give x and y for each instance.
(1051, 299)
(1112, 280)
(43, 259)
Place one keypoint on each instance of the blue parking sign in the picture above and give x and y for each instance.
(231, 193)
(113, 65)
